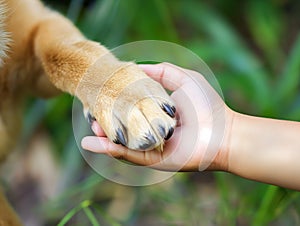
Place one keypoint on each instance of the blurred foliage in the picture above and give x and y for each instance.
(253, 47)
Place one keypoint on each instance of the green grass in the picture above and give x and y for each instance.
(253, 49)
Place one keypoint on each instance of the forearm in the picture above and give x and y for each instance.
(265, 150)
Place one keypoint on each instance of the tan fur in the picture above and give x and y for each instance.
(41, 52)
(7, 215)
(4, 37)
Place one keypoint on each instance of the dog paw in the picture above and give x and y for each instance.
(132, 109)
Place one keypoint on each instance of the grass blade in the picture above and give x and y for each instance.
(263, 214)
(91, 216)
(105, 215)
(73, 211)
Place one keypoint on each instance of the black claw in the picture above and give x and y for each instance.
(145, 146)
(169, 110)
(116, 141)
(150, 140)
(90, 118)
(120, 138)
(162, 131)
(170, 133)
(173, 109)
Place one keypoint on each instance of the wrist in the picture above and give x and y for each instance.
(221, 160)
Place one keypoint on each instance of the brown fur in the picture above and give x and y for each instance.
(7, 215)
(41, 52)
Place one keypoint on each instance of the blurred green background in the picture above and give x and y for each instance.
(253, 47)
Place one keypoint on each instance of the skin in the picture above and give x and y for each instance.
(261, 149)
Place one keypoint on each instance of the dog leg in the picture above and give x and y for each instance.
(7, 214)
(133, 110)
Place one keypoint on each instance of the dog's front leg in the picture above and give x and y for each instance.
(133, 110)
(7, 214)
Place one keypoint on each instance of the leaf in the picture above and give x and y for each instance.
(233, 51)
(288, 83)
(266, 26)
(98, 19)
(74, 10)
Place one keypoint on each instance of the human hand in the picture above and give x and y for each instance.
(200, 138)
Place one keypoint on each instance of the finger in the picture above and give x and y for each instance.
(97, 129)
(102, 145)
(170, 76)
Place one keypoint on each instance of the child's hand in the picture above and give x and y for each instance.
(194, 145)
